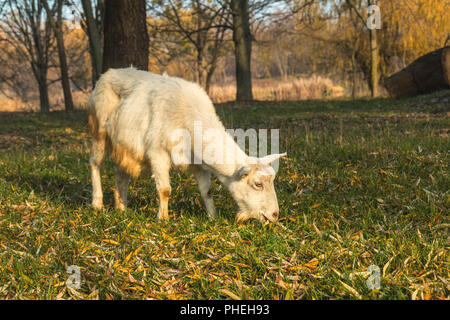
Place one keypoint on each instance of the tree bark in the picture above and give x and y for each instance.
(242, 39)
(44, 100)
(427, 74)
(354, 73)
(126, 40)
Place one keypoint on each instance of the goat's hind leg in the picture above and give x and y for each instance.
(121, 190)
(96, 160)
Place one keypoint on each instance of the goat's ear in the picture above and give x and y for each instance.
(242, 172)
(271, 158)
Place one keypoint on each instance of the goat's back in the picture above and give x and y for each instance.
(137, 111)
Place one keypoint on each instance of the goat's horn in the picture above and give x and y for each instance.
(271, 158)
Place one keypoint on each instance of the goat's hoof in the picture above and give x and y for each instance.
(163, 217)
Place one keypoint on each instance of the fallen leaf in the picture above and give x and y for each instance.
(230, 294)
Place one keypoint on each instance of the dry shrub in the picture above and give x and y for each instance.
(315, 87)
(12, 105)
(56, 103)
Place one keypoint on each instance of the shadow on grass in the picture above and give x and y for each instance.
(74, 194)
(57, 189)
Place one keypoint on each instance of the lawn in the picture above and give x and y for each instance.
(366, 183)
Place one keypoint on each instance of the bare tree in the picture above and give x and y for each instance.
(58, 29)
(28, 30)
(246, 13)
(204, 24)
(201, 24)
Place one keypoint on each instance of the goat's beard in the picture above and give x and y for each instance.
(244, 216)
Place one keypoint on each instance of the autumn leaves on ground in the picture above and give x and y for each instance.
(365, 183)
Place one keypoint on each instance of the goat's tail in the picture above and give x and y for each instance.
(102, 101)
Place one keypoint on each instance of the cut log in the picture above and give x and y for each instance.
(427, 74)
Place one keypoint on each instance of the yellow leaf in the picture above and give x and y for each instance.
(110, 241)
(295, 268)
(128, 257)
(230, 294)
(312, 264)
(134, 288)
(351, 290)
(316, 205)
(59, 284)
(174, 296)
(223, 259)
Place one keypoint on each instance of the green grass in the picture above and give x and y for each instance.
(365, 183)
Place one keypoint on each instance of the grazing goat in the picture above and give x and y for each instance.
(134, 116)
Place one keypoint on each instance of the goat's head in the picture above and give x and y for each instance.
(253, 189)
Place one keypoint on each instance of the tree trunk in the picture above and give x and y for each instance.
(355, 65)
(373, 63)
(199, 66)
(242, 39)
(427, 74)
(57, 28)
(354, 73)
(68, 102)
(126, 40)
(43, 91)
(210, 73)
(95, 43)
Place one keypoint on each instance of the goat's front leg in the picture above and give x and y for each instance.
(204, 186)
(121, 190)
(160, 164)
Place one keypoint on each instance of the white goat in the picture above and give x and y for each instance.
(134, 114)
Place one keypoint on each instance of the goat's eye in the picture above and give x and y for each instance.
(259, 185)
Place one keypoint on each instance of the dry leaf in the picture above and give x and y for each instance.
(230, 294)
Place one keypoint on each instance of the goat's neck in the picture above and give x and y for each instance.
(233, 157)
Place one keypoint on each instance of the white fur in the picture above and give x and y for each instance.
(133, 114)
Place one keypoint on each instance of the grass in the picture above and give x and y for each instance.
(365, 183)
